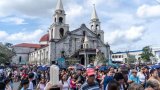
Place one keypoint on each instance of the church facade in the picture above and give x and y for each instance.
(81, 44)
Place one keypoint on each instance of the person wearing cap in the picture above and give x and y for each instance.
(90, 83)
(133, 77)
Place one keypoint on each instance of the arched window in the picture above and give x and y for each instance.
(55, 20)
(52, 34)
(61, 32)
(97, 26)
(84, 33)
(60, 20)
(99, 35)
(20, 59)
(87, 46)
(91, 26)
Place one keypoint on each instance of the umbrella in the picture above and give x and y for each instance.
(79, 67)
(103, 68)
(42, 68)
(155, 66)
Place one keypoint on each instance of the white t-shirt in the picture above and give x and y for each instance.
(141, 77)
(65, 86)
(30, 85)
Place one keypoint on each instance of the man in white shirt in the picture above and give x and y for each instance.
(31, 75)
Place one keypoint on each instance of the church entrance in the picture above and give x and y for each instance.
(82, 61)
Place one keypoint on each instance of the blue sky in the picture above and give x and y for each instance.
(128, 24)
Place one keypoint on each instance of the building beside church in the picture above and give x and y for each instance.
(81, 44)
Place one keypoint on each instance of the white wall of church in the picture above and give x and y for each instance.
(22, 52)
(39, 56)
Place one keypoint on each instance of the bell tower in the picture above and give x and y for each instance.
(59, 28)
(95, 24)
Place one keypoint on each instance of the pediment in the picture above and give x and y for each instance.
(80, 31)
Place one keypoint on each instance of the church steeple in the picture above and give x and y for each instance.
(94, 14)
(59, 5)
(86, 43)
(95, 24)
(59, 28)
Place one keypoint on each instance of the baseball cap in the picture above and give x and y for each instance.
(90, 72)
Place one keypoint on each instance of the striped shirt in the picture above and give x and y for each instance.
(86, 86)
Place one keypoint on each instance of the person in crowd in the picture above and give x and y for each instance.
(133, 77)
(64, 82)
(146, 72)
(41, 84)
(90, 83)
(120, 79)
(10, 77)
(158, 72)
(73, 82)
(149, 88)
(30, 76)
(154, 78)
(113, 85)
(7, 82)
(107, 79)
(135, 86)
(49, 86)
(2, 85)
(25, 84)
(80, 79)
(141, 76)
(39, 76)
(34, 78)
(153, 84)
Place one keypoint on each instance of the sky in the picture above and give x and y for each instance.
(127, 24)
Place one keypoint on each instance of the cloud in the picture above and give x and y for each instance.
(14, 20)
(132, 35)
(22, 36)
(3, 34)
(74, 11)
(148, 11)
(28, 8)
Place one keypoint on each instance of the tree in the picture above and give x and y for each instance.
(100, 59)
(5, 54)
(146, 54)
(8, 45)
(131, 58)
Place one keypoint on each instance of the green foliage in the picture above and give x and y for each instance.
(131, 58)
(146, 54)
(5, 54)
(100, 59)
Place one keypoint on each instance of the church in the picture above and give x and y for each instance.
(74, 46)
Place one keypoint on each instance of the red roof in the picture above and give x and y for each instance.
(44, 38)
(29, 45)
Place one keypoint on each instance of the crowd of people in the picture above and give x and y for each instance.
(122, 78)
